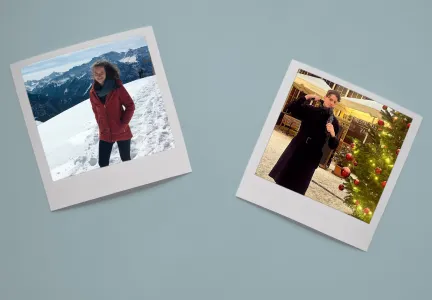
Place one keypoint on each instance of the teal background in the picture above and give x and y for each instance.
(190, 237)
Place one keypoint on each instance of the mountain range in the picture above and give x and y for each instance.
(59, 91)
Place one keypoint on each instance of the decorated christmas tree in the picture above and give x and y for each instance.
(368, 165)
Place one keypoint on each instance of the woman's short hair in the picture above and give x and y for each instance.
(111, 70)
(333, 92)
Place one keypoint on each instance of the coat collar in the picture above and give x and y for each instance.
(118, 83)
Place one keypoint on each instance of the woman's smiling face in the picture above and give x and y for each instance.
(99, 74)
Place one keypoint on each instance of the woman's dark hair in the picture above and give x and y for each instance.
(111, 70)
(333, 92)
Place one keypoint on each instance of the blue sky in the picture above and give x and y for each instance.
(67, 61)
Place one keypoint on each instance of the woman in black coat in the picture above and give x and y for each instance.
(297, 164)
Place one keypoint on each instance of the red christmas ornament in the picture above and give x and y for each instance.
(380, 122)
(408, 125)
(378, 171)
(355, 163)
(345, 172)
(383, 184)
(349, 156)
(397, 151)
(385, 107)
(352, 145)
(341, 187)
(357, 202)
(366, 210)
(356, 182)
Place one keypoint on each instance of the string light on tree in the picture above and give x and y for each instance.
(373, 161)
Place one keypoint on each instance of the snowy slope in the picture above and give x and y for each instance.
(70, 140)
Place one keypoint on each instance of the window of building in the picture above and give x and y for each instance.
(331, 84)
(342, 90)
(294, 94)
(352, 94)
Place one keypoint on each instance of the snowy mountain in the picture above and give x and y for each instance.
(31, 84)
(129, 59)
(70, 139)
(44, 107)
(71, 87)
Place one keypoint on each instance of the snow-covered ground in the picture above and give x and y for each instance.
(323, 181)
(70, 140)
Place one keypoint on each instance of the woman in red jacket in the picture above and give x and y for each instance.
(113, 108)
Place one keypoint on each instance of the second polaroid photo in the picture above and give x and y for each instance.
(329, 155)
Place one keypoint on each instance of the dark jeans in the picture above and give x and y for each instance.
(105, 149)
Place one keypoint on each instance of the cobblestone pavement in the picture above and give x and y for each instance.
(324, 185)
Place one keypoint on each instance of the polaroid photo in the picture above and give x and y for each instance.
(101, 117)
(329, 155)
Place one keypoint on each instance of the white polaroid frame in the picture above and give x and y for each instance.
(118, 177)
(302, 209)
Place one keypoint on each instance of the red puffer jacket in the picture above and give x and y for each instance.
(112, 118)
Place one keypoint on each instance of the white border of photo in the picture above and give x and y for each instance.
(118, 177)
(302, 209)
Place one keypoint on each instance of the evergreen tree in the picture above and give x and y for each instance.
(371, 163)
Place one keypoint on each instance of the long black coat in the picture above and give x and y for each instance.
(297, 164)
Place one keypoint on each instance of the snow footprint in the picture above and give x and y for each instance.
(93, 161)
(80, 160)
(163, 136)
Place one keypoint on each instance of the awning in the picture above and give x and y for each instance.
(371, 107)
(311, 85)
(314, 85)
